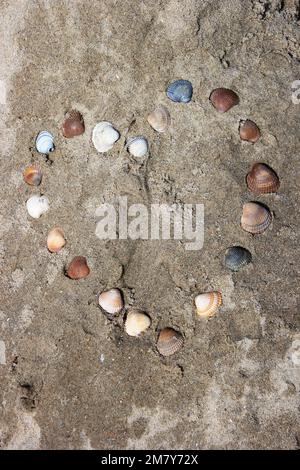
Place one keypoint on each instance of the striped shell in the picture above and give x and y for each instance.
(33, 175)
(223, 99)
(236, 257)
(104, 136)
(207, 304)
(256, 218)
(249, 131)
(73, 124)
(136, 322)
(111, 301)
(159, 119)
(169, 342)
(262, 179)
(137, 146)
(44, 142)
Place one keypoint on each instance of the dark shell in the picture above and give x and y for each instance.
(236, 257)
(262, 179)
(73, 124)
(224, 99)
(169, 342)
(180, 91)
(249, 131)
(78, 268)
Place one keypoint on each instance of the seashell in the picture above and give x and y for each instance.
(136, 322)
(33, 175)
(256, 218)
(249, 131)
(73, 124)
(223, 99)
(37, 205)
(207, 304)
(56, 240)
(137, 146)
(111, 301)
(78, 268)
(44, 142)
(169, 341)
(159, 119)
(104, 136)
(262, 179)
(180, 91)
(236, 257)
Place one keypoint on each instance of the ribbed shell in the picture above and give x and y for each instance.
(137, 146)
(223, 99)
(159, 119)
(169, 342)
(236, 257)
(262, 179)
(207, 304)
(249, 131)
(256, 218)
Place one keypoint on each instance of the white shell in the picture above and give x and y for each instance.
(104, 136)
(137, 146)
(37, 205)
(207, 304)
(44, 142)
(159, 119)
(136, 322)
(111, 301)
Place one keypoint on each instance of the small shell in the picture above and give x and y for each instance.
(137, 146)
(104, 136)
(78, 268)
(159, 119)
(236, 257)
(56, 240)
(223, 99)
(111, 301)
(207, 304)
(169, 342)
(180, 91)
(249, 131)
(262, 179)
(136, 322)
(73, 124)
(37, 205)
(44, 142)
(33, 175)
(256, 218)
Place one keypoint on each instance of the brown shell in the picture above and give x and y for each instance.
(262, 179)
(73, 124)
(224, 99)
(249, 131)
(33, 175)
(256, 218)
(169, 342)
(78, 268)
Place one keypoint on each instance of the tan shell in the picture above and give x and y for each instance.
(56, 240)
(33, 175)
(223, 99)
(249, 131)
(207, 304)
(78, 268)
(159, 119)
(169, 342)
(73, 124)
(111, 301)
(256, 218)
(136, 322)
(262, 179)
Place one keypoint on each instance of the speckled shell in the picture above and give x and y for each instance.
(169, 342)
(262, 179)
(78, 268)
(56, 240)
(44, 142)
(33, 175)
(180, 91)
(73, 124)
(159, 119)
(223, 99)
(256, 218)
(207, 304)
(236, 257)
(137, 146)
(249, 131)
(111, 301)
(37, 205)
(136, 322)
(104, 136)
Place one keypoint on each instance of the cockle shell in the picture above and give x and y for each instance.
(111, 301)
(159, 119)
(33, 175)
(207, 304)
(56, 240)
(169, 342)
(37, 205)
(104, 136)
(256, 218)
(78, 268)
(262, 179)
(73, 124)
(137, 146)
(44, 142)
(223, 99)
(236, 257)
(249, 131)
(180, 91)
(136, 322)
